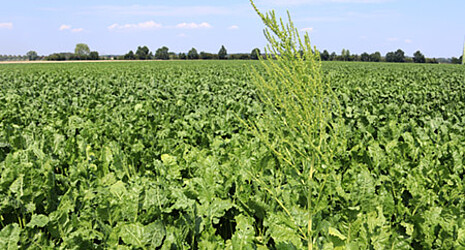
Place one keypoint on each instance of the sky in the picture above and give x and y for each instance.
(436, 28)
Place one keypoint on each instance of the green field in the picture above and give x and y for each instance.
(143, 155)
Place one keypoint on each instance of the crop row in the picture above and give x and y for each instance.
(156, 154)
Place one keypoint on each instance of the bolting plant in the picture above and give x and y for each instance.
(300, 127)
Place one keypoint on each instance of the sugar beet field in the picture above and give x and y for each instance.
(147, 155)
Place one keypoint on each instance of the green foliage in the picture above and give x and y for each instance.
(162, 53)
(32, 55)
(130, 56)
(255, 54)
(222, 54)
(82, 49)
(456, 60)
(143, 53)
(147, 155)
(345, 54)
(192, 54)
(297, 125)
(182, 56)
(418, 57)
(70, 56)
(94, 55)
(241, 56)
(365, 57)
(397, 56)
(375, 57)
(207, 56)
(9, 236)
(120, 154)
(325, 55)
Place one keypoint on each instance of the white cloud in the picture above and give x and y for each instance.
(182, 35)
(6, 26)
(233, 27)
(77, 30)
(408, 41)
(113, 26)
(393, 39)
(203, 25)
(65, 27)
(160, 10)
(310, 29)
(149, 25)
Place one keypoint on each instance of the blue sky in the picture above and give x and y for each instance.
(437, 28)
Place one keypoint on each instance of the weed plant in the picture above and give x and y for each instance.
(298, 125)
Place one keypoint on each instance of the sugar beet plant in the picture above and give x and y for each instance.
(297, 127)
(150, 155)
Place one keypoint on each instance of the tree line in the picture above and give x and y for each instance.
(397, 56)
(163, 53)
(30, 56)
(83, 52)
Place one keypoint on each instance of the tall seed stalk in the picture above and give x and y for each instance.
(298, 127)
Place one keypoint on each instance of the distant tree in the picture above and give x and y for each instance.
(399, 56)
(462, 58)
(365, 57)
(455, 60)
(333, 56)
(244, 56)
(223, 53)
(239, 56)
(182, 56)
(173, 56)
(324, 55)
(203, 55)
(346, 56)
(77, 57)
(54, 57)
(431, 60)
(62, 57)
(207, 56)
(130, 56)
(375, 57)
(390, 57)
(93, 55)
(255, 54)
(408, 59)
(162, 53)
(192, 54)
(82, 49)
(418, 57)
(32, 55)
(463, 55)
(142, 53)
